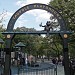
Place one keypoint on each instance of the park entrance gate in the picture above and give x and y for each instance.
(10, 34)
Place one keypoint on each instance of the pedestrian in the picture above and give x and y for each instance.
(26, 62)
(54, 60)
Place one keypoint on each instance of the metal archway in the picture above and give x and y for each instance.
(9, 35)
(26, 8)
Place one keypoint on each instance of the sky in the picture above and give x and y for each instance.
(30, 19)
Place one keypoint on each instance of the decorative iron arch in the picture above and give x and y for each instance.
(26, 8)
(10, 36)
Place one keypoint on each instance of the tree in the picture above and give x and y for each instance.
(32, 42)
(2, 19)
(66, 9)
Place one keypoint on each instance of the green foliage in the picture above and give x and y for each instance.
(67, 9)
(38, 45)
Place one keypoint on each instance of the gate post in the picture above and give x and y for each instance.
(7, 64)
(65, 54)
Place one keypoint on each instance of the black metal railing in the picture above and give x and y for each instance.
(43, 69)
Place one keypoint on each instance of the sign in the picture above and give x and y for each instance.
(26, 8)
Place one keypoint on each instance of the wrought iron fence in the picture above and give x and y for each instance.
(44, 69)
(47, 71)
